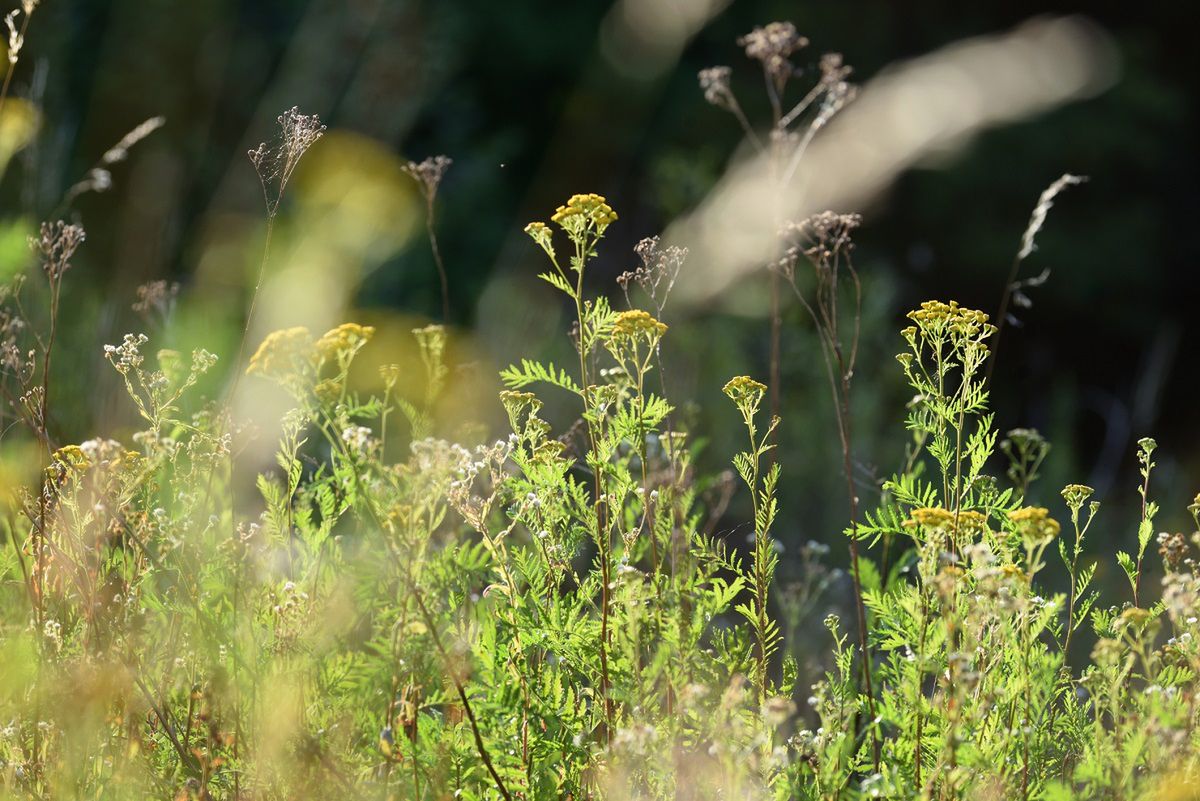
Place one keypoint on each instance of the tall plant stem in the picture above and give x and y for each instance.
(462, 696)
(437, 257)
(776, 338)
(231, 397)
(601, 528)
(859, 607)
(1002, 316)
(262, 270)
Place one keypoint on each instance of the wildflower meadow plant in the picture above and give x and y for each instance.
(394, 610)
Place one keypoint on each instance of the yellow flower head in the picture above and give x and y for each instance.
(282, 353)
(589, 208)
(1076, 494)
(1135, 618)
(930, 517)
(636, 324)
(937, 319)
(1035, 524)
(328, 390)
(540, 232)
(745, 391)
(71, 457)
(345, 340)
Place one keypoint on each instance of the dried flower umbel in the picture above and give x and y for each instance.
(428, 174)
(773, 45)
(275, 162)
(55, 246)
(657, 273)
(156, 299)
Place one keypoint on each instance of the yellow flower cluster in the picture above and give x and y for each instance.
(1133, 617)
(965, 525)
(282, 352)
(540, 233)
(930, 517)
(934, 316)
(1034, 523)
(743, 389)
(344, 340)
(1076, 494)
(593, 208)
(635, 323)
(71, 457)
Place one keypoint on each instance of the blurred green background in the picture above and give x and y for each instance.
(535, 101)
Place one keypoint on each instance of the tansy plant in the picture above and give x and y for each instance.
(552, 614)
(564, 614)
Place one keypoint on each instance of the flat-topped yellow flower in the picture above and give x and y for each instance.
(282, 352)
(540, 232)
(743, 389)
(930, 517)
(1035, 524)
(344, 340)
(935, 317)
(638, 323)
(1076, 494)
(591, 208)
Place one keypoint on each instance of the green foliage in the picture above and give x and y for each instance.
(549, 617)
(555, 614)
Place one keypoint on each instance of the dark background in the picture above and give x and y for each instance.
(534, 103)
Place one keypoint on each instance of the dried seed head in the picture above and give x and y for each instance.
(834, 69)
(156, 297)
(276, 162)
(658, 272)
(771, 45)
(120, 151)
(429, 173)
(1038, 218)
(55, 245)
(15, 39)
(714, 81)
